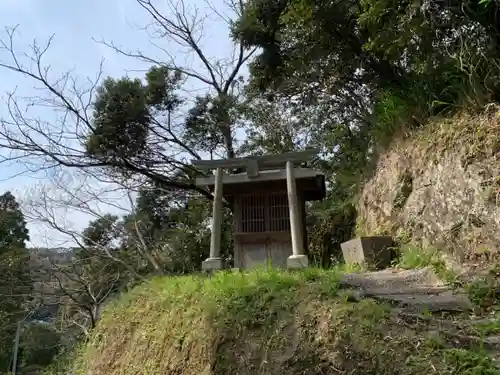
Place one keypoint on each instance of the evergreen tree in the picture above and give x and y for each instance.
(15, 280)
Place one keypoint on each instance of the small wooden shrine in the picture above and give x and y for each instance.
(268, 196)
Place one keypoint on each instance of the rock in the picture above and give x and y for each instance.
(443, 301)
(492, 342)
(414, 290)
(393, 279)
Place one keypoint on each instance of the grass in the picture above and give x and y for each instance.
(414, 257)
(484, 291)
(489, 328)
(263, 322)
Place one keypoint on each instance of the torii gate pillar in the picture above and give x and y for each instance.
(214, 261)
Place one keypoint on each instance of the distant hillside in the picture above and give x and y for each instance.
(43, 265)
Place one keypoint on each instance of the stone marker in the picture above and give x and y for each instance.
(268, 197)
(372, 250)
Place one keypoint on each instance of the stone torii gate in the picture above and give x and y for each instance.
(266, 179)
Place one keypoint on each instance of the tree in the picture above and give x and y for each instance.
(130, 128)
(39, 344)
(136, 133)
(94, 275)
(365, 71)
(13, 230)
(441, 57)
(174, 228)
(281, 126)
(133, 133)
(15, 280)
(164, 232)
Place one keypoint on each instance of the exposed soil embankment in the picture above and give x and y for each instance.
(440, 186)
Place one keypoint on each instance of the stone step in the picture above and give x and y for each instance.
(415, 290)
(448, 302)
(392, 278)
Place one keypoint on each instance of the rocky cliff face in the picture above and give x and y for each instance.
(440, 186)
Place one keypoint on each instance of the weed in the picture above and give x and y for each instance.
(403, 236)
(412, 257)
(469, 362)
(454, 360)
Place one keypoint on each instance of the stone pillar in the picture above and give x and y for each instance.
(298, 259)
(214, 261)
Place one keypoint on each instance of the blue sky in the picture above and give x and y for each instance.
(75, 24)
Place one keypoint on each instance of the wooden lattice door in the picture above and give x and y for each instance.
(263, 213)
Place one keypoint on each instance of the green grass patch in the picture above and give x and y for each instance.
(484, 292)
(414, 257)
(259, 322)
(489, 328)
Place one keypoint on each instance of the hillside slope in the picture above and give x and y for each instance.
(264, 323)
(440, 186)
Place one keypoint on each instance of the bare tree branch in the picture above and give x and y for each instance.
(51, 143)
(184, 25)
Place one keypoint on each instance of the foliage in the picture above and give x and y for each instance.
(275, 129)
(14, 233)
(342, 37)
(357, 73)
(95, 272)
(133, 130)
(39, 344)
(15, 279)
(207, 122)
(484, 292)
(445, 55)
(282, 126)
(124, 122)
(173, 228)
(167, 233)
(331, 224)
(101, 232)
(63, 363)
(121, 118)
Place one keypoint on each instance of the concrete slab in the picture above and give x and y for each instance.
(371, 250)
(297, 261)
